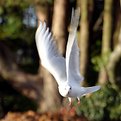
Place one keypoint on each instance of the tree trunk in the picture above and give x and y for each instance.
(117, 22)
(51, 98)
(106, 39)
(116, 53)
(59, 23)
(42, 12)
(114, 59)
(84, 34)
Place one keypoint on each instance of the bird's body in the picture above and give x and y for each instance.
(65, 70)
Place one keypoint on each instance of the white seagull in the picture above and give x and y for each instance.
(65, 70)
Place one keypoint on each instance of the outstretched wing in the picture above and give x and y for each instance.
(72, 52)
(74, 65)
(49, 56)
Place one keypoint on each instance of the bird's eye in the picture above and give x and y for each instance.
(70, 88)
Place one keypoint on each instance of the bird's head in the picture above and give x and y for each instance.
(64, 90)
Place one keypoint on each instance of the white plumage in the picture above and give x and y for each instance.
(65, 70)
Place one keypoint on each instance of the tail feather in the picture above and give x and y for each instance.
(91, 89)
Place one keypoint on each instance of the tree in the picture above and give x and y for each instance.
(59, 23)
(84, 34)
(106, 39)
(49, 94)
(115, 55)
(51, 98)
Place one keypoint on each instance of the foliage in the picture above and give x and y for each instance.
(100, 61)
(11, 3)
(12, 15)
(17, 35)
(102, 105)
(19, 38)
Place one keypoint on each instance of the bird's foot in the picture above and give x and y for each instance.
(72, 109)
(78, 99)
(70, 101)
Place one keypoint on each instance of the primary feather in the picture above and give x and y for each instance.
(49, 55)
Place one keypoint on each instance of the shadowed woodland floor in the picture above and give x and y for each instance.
(32, 116)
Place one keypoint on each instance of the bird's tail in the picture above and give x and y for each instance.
(91, 89)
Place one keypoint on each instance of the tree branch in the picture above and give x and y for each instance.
(113, 59)
(28, 84)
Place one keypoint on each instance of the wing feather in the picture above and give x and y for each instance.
(49, 55)
(74, 65)
(72, 53)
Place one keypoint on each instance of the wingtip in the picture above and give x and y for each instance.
(42, 25)
(75, 15)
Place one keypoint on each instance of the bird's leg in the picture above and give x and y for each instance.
(78, 100)
(70, 101)
(72, 108)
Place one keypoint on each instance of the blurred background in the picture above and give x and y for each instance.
(25, 86)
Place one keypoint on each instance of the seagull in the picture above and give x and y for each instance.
(65, 70)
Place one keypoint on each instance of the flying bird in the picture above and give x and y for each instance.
(65, 70)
